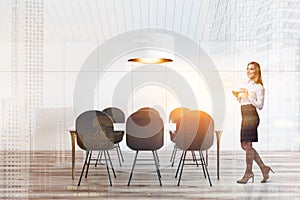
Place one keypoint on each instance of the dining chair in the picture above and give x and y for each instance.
(174, 116)
(118, 116)
(152, 110)
(195, 132)
(144, 132)
(94, 131)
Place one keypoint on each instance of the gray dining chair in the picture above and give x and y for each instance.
(144, 132)
(94, 131)
(117, 116)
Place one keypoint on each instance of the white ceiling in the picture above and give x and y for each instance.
(99, 20)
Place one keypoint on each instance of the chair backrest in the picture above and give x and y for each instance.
(195, 131)
(94, 131)
(149, 109)
(177, 113)
(116, 114)
(144, 131)
(174, 116)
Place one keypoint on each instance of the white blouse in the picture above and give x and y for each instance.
(256, 95)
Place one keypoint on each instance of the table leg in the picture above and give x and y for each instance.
(218, 133)
(73, 138)
(206, 157)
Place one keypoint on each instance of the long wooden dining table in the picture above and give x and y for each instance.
(73, 134)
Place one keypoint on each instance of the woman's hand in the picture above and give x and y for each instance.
(235, 93)
(241, 93)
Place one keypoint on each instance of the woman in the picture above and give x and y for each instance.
(251, 98)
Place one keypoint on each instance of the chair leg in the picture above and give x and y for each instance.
(107, 168)
(86, 158)
(112, 167)
(118, 146)
(118, 153)
(205, 167)
(181, 168)
(195, 158)
(99, 157)
(88, 165)
(133, 165)
(155, 157)
(174, 157)
(179, 164)
(201, 158)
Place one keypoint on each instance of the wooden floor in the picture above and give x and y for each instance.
(47, 175)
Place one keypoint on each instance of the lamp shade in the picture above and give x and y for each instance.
(155, 48)
(150, 60)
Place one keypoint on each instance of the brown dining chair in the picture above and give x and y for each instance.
(144, 132)
(94, 131)
(195, 132)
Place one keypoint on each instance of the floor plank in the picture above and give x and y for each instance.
(47, 175)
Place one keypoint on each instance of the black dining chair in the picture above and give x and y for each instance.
(174, 116)
(94, 131)
(118, 116)
(195, 132)
(144, 132)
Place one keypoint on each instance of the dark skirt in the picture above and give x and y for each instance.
(250, 121)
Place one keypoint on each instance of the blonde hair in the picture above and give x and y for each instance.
(257, 79)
